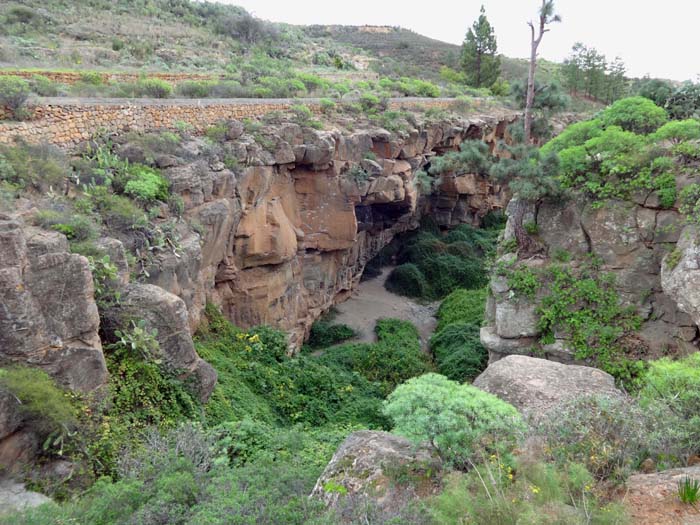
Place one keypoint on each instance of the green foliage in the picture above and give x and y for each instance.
(432, 266)
(656, 90)
(690, 203)
(608, 434)
(634, 114)
(473, 157)
(689, 491)
(465, 306)
(325, 333)
(74, 226)
(587, 72)
(585, 305)
(574, 135)
(31, 166)
(146, 184)
(48, 407)
(527, 492)
(195, 88)
(14, 92)
(684, 103)
(549, 98)
(410, 87)
(154, 88)
(530, 174)
(678, 131)
(43, 86)
(258, 380)
(394, 358)
(459, 422)
(480, 61)
(675, 386)
(459, 354)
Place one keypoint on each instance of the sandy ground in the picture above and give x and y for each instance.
(371, 301)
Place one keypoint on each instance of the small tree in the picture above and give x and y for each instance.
(480, 62)
(14, 92)
(458, 421)
(546, 18)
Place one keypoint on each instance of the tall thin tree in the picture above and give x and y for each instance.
(546, 18)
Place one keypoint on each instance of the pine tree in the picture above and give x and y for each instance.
(480, 62)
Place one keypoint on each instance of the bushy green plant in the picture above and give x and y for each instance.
(14, 92)
(459, 422)
(689, 491)
(154, 88)
(462, 306)
(326, 333)
(44, 86)
(574, 135)
(459, 354)
(690, 202)
(75, 226)
(49, 407)
(408, 280)
(684, 102)
(528, 492)
(146, 184)
(635, 114)
(606, 433)
(32, 166)
(678, 131)
(676, 386)
(195, 88)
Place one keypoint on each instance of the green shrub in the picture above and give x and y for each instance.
(154, 88)
(574, 135)
(689, 491)
(146, 184)
(607, 434)
(684, 102)
(394, 358)
(635, 114)
(195, 88)
(74, 226)
(676, 386)
(458, 352)
(459, 422)
(49, 407)
(33, 166)
(324, 334)
(462, 306)
(14, 92)
(44, 87)
(690, 202)
(528, 492)
(91, 77)
(678, 131)
(408, 280)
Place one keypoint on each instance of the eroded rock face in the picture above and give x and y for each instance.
(652, 499)
(286, 234)
(166, 313)
(630, 239)
(362, 466)
(48, 315)
(538, 386)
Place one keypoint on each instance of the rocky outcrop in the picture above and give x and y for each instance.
(680, 275)
(537, 387)
(285, 231)
(48, 315)
(165, 314)
(363, 466)
(630, 239)
(652, 499)
(14, 496)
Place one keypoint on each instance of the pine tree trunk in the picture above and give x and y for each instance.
(530, 97)
(526, 246)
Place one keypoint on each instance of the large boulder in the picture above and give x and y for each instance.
(165, 313)
(680, 273)
(537, 386)
(363, 465)
(48, 315)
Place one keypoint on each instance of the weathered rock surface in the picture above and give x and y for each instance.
(14, 496)
(286, 232)
(48, 316)
(538, 386)
(361, 466)
(167, 314)
(630, 238)
(652, 499)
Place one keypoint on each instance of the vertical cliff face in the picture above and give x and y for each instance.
(632, 243)
(285, 231)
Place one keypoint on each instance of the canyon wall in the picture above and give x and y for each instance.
(286, 232)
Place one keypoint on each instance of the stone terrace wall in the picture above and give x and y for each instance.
(72, 77)
(66, 122)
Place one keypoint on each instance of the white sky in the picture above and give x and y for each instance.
(658, 38)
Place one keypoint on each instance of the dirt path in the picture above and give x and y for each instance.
(371, 301)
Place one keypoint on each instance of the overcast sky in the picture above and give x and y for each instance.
(658, 38)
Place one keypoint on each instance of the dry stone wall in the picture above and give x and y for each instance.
(66, 122)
